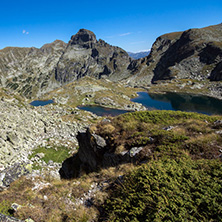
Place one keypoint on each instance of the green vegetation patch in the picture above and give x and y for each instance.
(5, 208)
(169, 190)
(56, 154)
(170, 133)
(163, 117)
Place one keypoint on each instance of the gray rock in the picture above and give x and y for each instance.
(24, 128)
(11, 174)
(5, 218)
(15, 206)
(134, 151)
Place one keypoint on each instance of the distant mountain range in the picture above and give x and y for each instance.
(194, 54)
(138, 55)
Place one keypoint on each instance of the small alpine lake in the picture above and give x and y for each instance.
(41, 102)
(103, 111)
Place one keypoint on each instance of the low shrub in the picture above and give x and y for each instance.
(169, 190)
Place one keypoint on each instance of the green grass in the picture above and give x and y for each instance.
(190, 132)
(5, 207)
(56, 154)
(163, 117)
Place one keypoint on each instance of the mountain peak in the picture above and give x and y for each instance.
(84, 38)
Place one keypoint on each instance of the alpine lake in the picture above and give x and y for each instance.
(167, 101)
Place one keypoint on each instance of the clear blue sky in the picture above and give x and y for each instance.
(131, 25)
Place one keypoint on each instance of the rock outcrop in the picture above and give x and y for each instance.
(33, 72)
(5, 218)
(85, 56)
(23, 128)
(192, 54)
(30, 71)
(95, 152)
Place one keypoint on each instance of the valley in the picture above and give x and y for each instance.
(69, 164)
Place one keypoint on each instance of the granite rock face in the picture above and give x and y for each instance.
(22, 128)
(85, 55)
(95, 153)
(192, 54)
(30, 71)
(33, 72)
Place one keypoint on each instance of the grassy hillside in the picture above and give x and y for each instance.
(176, 177)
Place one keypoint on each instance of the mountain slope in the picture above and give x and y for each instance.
(33, 72)
(30, 71)
(87, 56)
(192, 54)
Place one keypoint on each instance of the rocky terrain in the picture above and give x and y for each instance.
(23, 127)
(102, 155)
(195, 54)
(33, 72)
(89, 91)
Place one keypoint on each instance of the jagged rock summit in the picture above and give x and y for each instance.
(84, 38)
(85, 55)
(33, 72)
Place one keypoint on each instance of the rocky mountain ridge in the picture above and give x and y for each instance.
(194, 54)
(32, 72)
(85, 55)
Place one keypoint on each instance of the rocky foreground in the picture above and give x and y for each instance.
(164, 158)
(24, 127)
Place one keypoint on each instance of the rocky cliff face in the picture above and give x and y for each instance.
(192, 54)
(87, 56)
(32, 72)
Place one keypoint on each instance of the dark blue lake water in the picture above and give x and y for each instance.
(103, 111)
(168, 101)
(41, 102)
(183, 102)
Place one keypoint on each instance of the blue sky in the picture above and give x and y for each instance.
(131, 25)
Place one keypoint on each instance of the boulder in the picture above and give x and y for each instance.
(95, 153)
(8, 175)
(5, 218)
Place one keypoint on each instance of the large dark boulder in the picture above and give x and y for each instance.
(95, 153)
